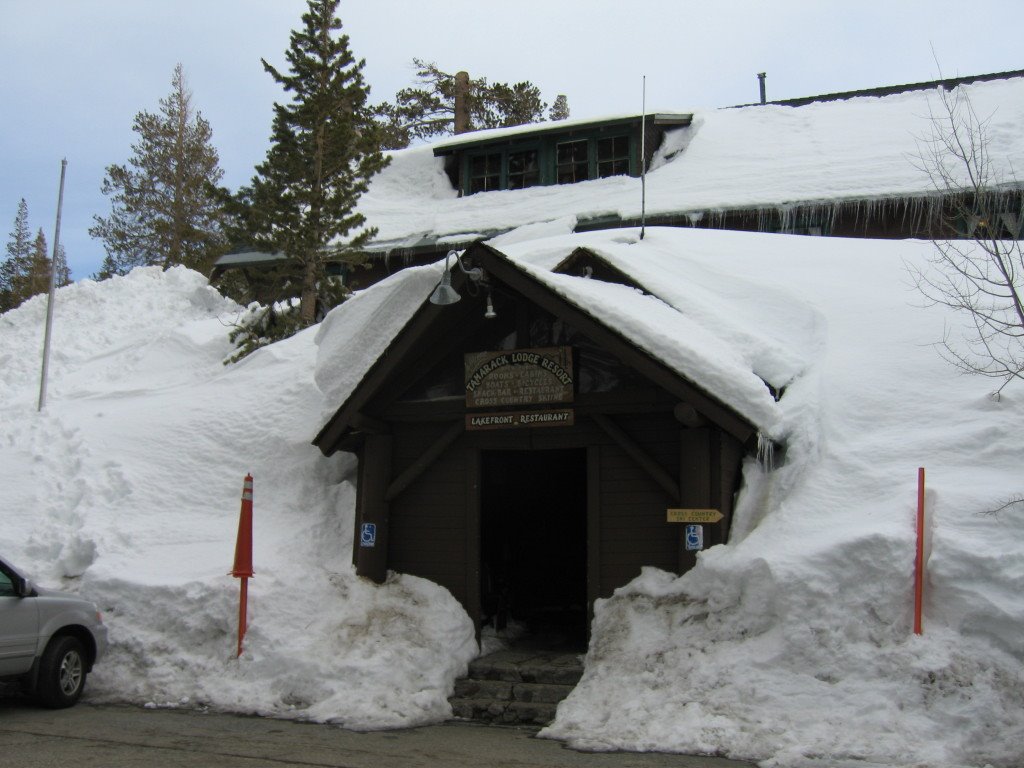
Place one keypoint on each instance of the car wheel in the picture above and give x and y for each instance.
(61, 673)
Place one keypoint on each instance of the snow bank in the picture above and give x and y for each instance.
(126, 488)
(792, 645)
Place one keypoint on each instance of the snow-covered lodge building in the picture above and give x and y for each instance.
(852, 164)
(548, 422)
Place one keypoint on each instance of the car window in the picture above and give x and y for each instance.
(6, 585)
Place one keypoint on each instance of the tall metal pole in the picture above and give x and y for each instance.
(53, 290)
(643, 160)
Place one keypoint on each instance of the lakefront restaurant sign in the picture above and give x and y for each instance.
(519, 377)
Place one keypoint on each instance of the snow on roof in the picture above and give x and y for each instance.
(722, 343)
(772, 156)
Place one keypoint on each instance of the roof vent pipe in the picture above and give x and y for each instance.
(760, 81)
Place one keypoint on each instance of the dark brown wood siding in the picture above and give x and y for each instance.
(428, 520)
(633, 531)
(434, 525)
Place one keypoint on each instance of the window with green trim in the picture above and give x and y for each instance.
(572, 162)
(612, 156)
(485, 172)
(559, 159)
(523, 169)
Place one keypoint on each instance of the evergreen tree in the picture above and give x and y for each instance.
(324, 150)
(560, 109)
(428, 108)
(26, 270)
(164, 210)
(63, 270)
(503, 106)
(36, 278)
(16, 263)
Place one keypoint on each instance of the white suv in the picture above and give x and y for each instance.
(48, 640)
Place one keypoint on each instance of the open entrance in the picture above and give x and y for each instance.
(533, 543)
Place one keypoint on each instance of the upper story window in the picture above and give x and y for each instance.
(485, 172)
(573, 163)
(552, 162)
(523, 169)
(550, 153)
(612, 156)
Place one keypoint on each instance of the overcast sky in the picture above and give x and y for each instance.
(75, 72)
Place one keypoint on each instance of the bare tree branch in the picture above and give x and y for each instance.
(979, 275)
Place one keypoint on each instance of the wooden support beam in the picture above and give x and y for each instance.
(638, 454)
(371, 558)
(689, 416)
(427, 458)
(365, 423)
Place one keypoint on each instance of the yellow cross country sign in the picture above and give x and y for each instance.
(706, 516)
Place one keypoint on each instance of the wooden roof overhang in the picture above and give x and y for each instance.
(345, 429)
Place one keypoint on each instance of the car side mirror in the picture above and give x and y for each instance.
(22, 587)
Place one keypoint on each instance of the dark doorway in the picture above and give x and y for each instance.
(533, 543)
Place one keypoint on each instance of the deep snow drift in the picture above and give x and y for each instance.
(792, 645)
(126, 488)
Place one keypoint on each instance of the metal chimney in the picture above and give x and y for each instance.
(760, 80)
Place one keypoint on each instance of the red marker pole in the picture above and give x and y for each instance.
(919, 560)
(243, 559)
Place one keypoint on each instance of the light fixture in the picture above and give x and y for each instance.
(489, 313)
(444, 294)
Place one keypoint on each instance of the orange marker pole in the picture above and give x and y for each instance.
(243, 613)
(243, 559)
(919, 560)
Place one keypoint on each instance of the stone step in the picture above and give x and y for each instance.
(513, 666)
(503, 690)
(516, 687)
(504, 712)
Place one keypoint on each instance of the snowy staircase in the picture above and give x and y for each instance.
(516, 687)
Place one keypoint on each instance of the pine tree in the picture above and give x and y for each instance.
(504, 106)
(560, 109)
(26, 271)
(427, 109)
(36, 278)
(19, 256)
(164, 211)
(63, 270)
(324, 150)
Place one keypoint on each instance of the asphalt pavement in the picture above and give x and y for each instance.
(94, 736)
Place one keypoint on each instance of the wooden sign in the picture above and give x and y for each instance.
(563, 417)
(519, 377)
(703, 516)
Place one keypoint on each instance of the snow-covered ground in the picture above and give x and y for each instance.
(127, 488)
(791, 646)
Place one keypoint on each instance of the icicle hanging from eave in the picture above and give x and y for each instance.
(765, 452)
(912, 215)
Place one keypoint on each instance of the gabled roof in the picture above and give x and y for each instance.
(858, 149)
(669, 347)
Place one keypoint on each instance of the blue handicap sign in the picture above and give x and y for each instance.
(694, 537)
(368, 535)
